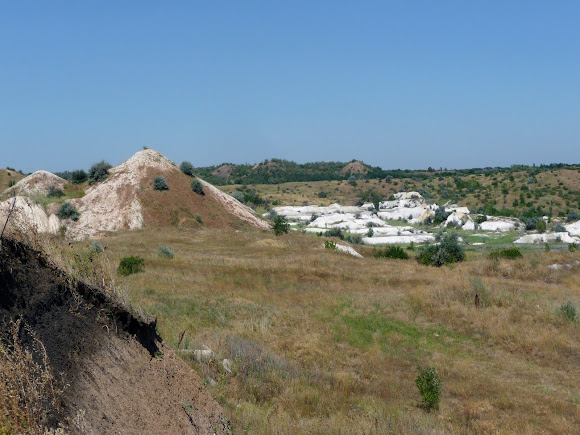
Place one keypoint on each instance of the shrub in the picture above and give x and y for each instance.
(67, 211)
(187, 168)
(352, 180)
(558, 228)
(329, 244)
(198, 218)
(370, 232)
(239, 196)
(531, 223)
(97, 247)
(355, 238)
(540, 225)
(98, 172)
(132, 264)
(280, 226)
(572, 247)
(11, 183)
(322, 194)
(573, 216)
(440, 215)
(165, 252)
(429, 386)
(197, 187)
(54, 192)
(159, 183)
(509, 253)
(568, 311)
(448, 251)
(79, 176)
(391, 252)
(334, 232)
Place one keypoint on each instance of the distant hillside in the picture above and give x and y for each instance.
(278, 171)
(552, 190)
(9, 177)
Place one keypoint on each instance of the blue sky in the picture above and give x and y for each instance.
(402, 84)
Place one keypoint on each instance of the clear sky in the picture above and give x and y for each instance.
(398, 84)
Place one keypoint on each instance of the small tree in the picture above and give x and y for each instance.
(67, 211)
(160, 183)
(98, 172)
(573, 216)
(187, 168)
(197, 187)
(280, 226)
(429, 386)
(79, 176)
(352, 180)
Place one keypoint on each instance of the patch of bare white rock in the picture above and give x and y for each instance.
(412, 208)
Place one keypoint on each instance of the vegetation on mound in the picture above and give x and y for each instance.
(98, 172)
(159, 183)
(54, 192)
(197, 187)
(165, 252)
(187, 168)
(68, 211)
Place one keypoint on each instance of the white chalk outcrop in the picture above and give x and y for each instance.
(37, 183)
(28, 216)
(495, 223)
(573, 228)
(547, 238)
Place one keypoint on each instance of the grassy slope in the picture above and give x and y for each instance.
(559, 189)
(6, 176)
(322, 342)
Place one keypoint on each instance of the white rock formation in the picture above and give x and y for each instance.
(495, 223)
(573, 228)
(37, 183)
(28, 216)
(547, 238)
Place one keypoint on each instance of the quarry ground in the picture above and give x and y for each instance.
(322, 342)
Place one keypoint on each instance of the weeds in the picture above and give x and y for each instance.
(165, 252)
(568, 311)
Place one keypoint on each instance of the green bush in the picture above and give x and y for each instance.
(132, 264)
(54, 192)
(159, 183)
(429, 386)
(447, 251)
(370, 232)
(540, 225)
(67, 211)
(440, 216)
(98, 172)
(187, 168)
(197, 187)
(568, 311)
(573, 216)
(572, 247)
(165, 252)
(509, 253)
(79, 176)
(329, 244)
(280, 226)
(559, 228)
(198, 218)
(334, 232)
(391, 252)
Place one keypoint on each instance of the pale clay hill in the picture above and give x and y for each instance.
(37, 183)
(113, 204)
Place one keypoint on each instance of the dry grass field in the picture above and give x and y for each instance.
(322, 342)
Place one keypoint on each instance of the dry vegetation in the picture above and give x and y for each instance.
(321, 342)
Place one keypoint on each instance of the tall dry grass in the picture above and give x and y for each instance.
(321, 342)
